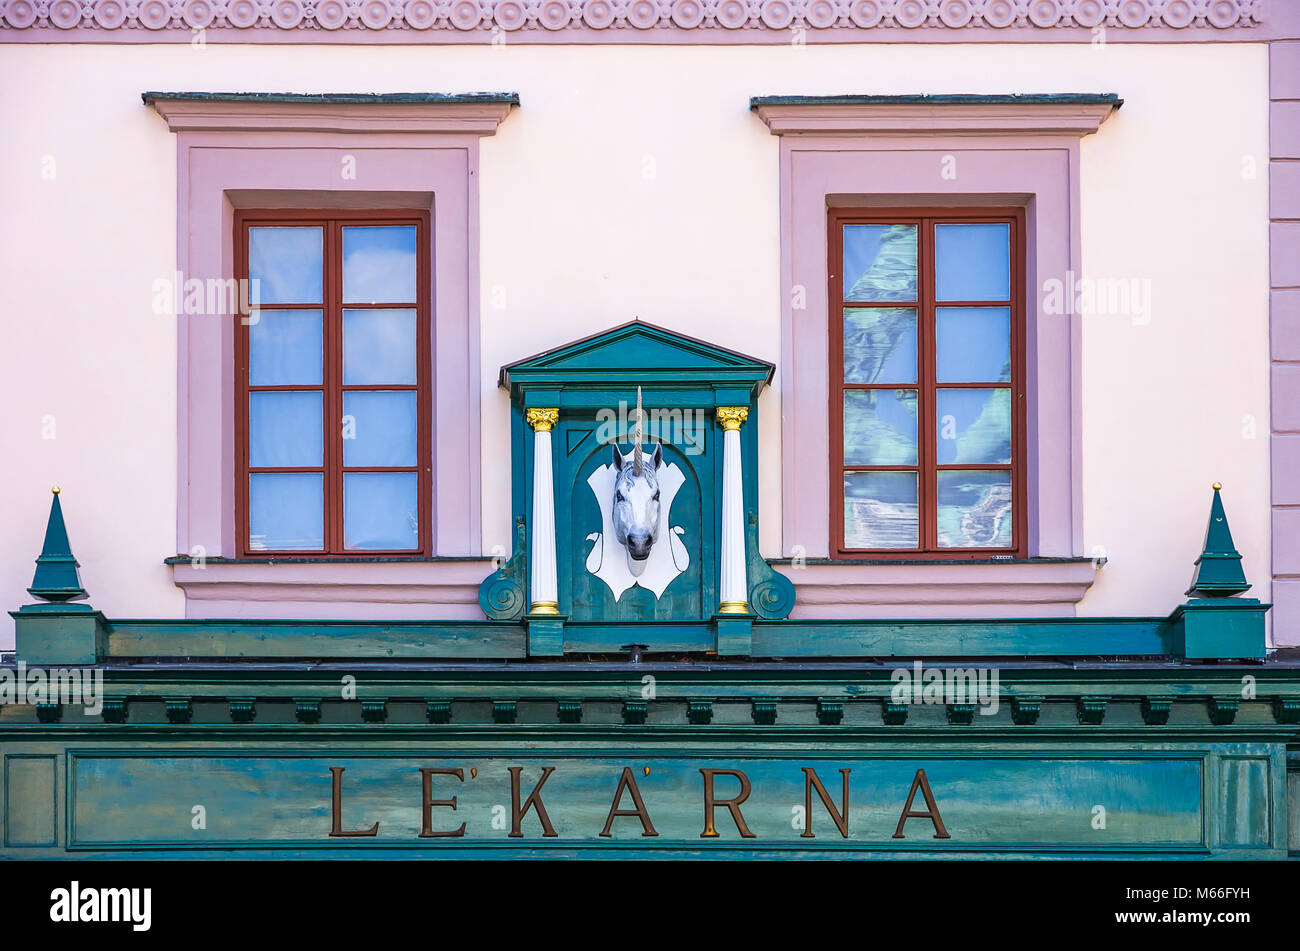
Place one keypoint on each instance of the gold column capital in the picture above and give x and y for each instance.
(730, 417)
(541, 419)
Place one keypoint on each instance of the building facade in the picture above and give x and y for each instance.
(698, 428)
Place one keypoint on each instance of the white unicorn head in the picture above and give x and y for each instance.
(636, 498)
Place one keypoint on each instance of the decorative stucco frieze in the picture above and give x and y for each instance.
(255, 20)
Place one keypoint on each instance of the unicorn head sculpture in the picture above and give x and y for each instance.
(636, 498)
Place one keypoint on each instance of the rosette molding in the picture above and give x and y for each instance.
(697, 21)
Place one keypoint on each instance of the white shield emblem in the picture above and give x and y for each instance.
(607, 559)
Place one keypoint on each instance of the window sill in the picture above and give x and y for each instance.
(1004, 588)
(348, 588)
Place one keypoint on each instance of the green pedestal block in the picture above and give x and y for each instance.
(735, 634)
(546, 635)
(1220, 628)
(59, 634)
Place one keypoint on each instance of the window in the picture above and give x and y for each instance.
(927, 372)
(333, 384)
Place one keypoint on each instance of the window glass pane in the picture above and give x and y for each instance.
(380, 510)
(972, 262)
(379, 265)
(379, 347)
(284, 429)
(880, 510)
(880, 427)
(879, 262)
(974, 345)
(974, 509)
(974, 426)
(880, 345)
(284, 348)
(286, 264)
(286, 511)
(379, 428)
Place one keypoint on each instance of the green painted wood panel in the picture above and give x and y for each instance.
(1244, 784)
(296, 639)
(997, 801)
(965, 638)
(31, 800)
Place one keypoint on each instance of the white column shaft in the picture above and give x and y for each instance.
(544, 586)
(733, 587)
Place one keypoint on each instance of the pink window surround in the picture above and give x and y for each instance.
(874, 152)
(388, 152)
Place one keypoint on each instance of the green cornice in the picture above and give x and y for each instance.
(948, 99)
(335, 98)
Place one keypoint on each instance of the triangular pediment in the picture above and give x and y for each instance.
(637, 353)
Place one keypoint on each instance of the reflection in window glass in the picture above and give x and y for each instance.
(974, 426)
(880, 345)
(880, 510)
(879, 263)
(925, 326)
(974, 509)
(880, 427)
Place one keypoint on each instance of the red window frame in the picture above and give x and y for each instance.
(332, 223)
(927, 387)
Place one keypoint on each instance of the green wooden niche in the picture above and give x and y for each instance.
(593, 382)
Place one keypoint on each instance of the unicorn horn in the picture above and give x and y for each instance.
(636, 438)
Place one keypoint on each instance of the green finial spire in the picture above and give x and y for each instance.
(56, 570)
(1218, 570)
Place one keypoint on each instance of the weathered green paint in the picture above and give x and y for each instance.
(1218, 628)
(124, 782)
(307, 639)
(103, 797)
(60, 633)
